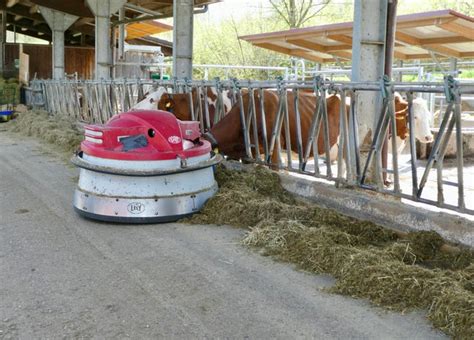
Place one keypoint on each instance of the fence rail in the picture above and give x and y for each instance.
(269, 141)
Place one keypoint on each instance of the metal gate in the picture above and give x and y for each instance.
(93, 101)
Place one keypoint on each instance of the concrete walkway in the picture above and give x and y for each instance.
(63, 276)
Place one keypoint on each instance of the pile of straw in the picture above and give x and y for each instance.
(397, 271)
(60, 131)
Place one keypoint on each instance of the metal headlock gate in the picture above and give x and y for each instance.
(97, 101)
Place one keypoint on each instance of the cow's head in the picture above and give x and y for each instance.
(166, 103)
(401, 116)
(154, 97)
(150, 101)
(421, 115)
(178, 104)
(423, 119)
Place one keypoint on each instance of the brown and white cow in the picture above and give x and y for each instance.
(422, 119)
(227, 134)
(150, 102)
(179, 103)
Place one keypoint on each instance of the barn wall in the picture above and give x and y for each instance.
(77, 59)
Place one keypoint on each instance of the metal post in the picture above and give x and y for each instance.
(59, 22)
(103, 54)
(399, 76)
(453, 66)
(3, 39)
(121, 35)
(183, 38)
(368, 41)
(389, 47)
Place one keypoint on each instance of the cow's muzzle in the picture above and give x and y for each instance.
(426, 139)
(210, 138)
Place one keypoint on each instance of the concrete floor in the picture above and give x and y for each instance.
(66, 277)
(450, 192)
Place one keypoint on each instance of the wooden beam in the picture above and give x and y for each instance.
(24, 12)
(320, 48)
(341, 54)
(469, 54)
(446, 40)
(329, 60)
(273, 47)
(338, 47)
(307, 44)
(305, 55)
(11, 3)
(35, 34)
(340, 38)
(25, 23)
(445, 51)
(424, 22)
(294, 52)
(399, 55)
(458, 29)
(418, 56)
(407, 39)
(410, 40)
(83, 21)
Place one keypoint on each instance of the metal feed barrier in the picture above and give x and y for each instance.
(93, 101)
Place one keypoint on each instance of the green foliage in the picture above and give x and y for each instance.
(410, 6)
(217, 42)
(297, 12)
(222, 46)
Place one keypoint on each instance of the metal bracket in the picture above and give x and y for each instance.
(450, 86)
(318, 83)
(386, 87)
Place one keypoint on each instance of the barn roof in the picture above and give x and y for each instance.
(445, 32)
(25, 16)
(146, 28)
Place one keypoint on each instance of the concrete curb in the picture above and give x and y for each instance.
(380, 209)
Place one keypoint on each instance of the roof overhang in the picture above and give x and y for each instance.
(446, 33)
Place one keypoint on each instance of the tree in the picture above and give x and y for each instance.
(297, 12)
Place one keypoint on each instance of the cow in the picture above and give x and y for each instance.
(227, 134)
(179, 103)
(422, 118)
(228, 137)
(150, 102)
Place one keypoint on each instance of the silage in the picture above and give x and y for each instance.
(394, 270)
(60, 131)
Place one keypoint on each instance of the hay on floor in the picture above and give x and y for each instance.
(367, 260)
(60, 131)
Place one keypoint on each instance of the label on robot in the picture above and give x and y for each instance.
(174, 139)
(136, 208)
